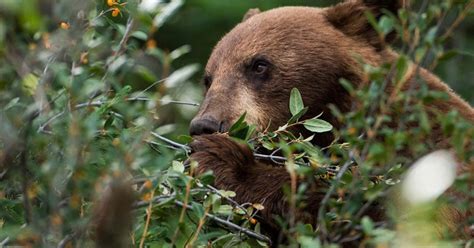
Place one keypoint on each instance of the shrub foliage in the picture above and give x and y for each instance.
(93, 147)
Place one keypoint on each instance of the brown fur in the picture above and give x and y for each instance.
(113, 215)
(310, 49)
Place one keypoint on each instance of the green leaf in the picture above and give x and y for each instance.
(181, 75)
(373, 21)
(386, 24)
(119, 97)
(185, 139)
(377, 151)
(282, 128)
(29, 83)
(110, 120)
(212, 200)
(309, 138)
(140, 35)
(430, 36)
(298, 115)
(165, 13)
(308, 228)
(251, 130)
(420, 53)
(240, 129)
(206, 178)
(145, 73)
(177, 166)
(124, 91)
(367, 224)
(448, 55)
(180, 51)
(424, 122)
(238, 124)
(402, 67)
(198, 209)
(317, 125)
(225, 210)
(307, 242)
(241, 133)
(347, 85)
(268, 145)
(227, 193)
(257, 230)
(12, 103)
(296, 102)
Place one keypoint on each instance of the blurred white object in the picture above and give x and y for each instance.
(149, 5)
(429, 177)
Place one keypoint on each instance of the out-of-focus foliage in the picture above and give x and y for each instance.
(83, 85)
(89, 89)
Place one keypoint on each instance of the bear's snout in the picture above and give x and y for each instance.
(200, 126)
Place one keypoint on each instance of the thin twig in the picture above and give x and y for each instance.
(132, 99)
(174, 144)
(275, 151)
(151, 86)
(202, 220)
(99, 103)
(188, 149)
(47, 122)
(156, 199)
(236, 204)
(153, 144)
(277, 159)
(125, 37)
(163, 198)
(65, 240)
(329, 193)
(30, 116)
(24, 183)
(91, 22)
(4, 242)
(233, 226)
(180, 103)
(120, 49)
(183, 210)
(147, 221)
(78, 231)
(458, 20)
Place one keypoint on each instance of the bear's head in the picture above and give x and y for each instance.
(255, 66)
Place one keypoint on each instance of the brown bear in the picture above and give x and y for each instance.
(253, 69)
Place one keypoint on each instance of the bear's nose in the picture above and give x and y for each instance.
(203, 126)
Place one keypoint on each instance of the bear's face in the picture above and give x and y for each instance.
(255, 66)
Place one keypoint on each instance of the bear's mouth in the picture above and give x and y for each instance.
(222, 127)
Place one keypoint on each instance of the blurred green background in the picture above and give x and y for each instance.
(201, 24)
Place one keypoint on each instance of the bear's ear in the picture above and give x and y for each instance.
(250, 13)
(350, 18)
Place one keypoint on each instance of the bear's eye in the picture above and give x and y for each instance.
(207, 80)
(260, 66)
